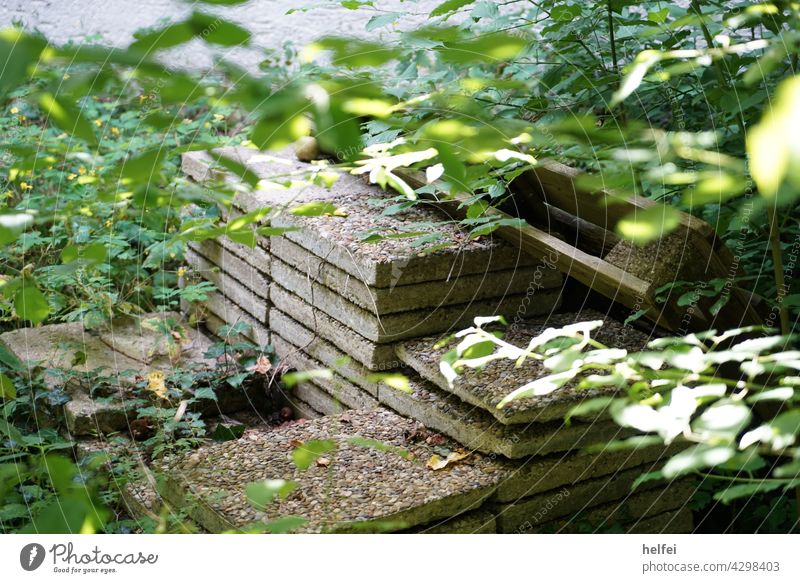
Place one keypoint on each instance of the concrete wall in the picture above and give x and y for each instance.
(115, 21)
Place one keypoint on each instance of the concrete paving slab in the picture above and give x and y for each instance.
(218, 311)
(338, 387)
(322, 351)
(415, 296)
(475, 522)
(539, 474)
(396, 260)
(362, 488)
(528, 513)
(486, 387)
(624, 514)
(162, 337)
(374, 356)
(58, 346)
(255, 280)
(396, 327)
(246, 299)
(476, 430)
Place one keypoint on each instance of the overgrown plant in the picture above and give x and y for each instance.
(731, 396)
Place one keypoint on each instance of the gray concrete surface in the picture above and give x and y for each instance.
(113, 22)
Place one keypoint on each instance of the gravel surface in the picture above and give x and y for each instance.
(359, 489)
(671, 258)
(487, 387)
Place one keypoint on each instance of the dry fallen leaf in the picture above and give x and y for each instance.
(323, 462)
(156, 384)
(295, 443)
(262, 365)
(437, 462)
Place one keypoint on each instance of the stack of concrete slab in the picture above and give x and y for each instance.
(362, 277)
(359, 295)
(241, 277)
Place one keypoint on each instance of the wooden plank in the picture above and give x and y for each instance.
(611, 281)
(556, 184)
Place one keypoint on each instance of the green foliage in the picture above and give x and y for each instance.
(651, 100)
(675, 392)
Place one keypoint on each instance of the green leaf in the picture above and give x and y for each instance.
(350, 52)
(67, 117)
(316, 208)
(30, 303)
(276, 131)
(381, 20)
(218, 2)
(12, 225)
(647, 477)
(394, 380)
(697, 457)
(773, 146)
(89, 254)
(449, 7)
(228, 431)
(746, 490)
(284, 524)
(238, 169)
(163, 38)
(380, 446)
(19, 53)
(294, 378)
(588, 407)
(644, 225)
(144, 167)
(565, 12)
(634, 76)
(306, 454)
(215, 30)
(206, 27)
(7, 389)
(487, 48)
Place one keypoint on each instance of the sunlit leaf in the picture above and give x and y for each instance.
(30, 303)
(644, 225)
(261, 494)
(306, 454)
(66, 116)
